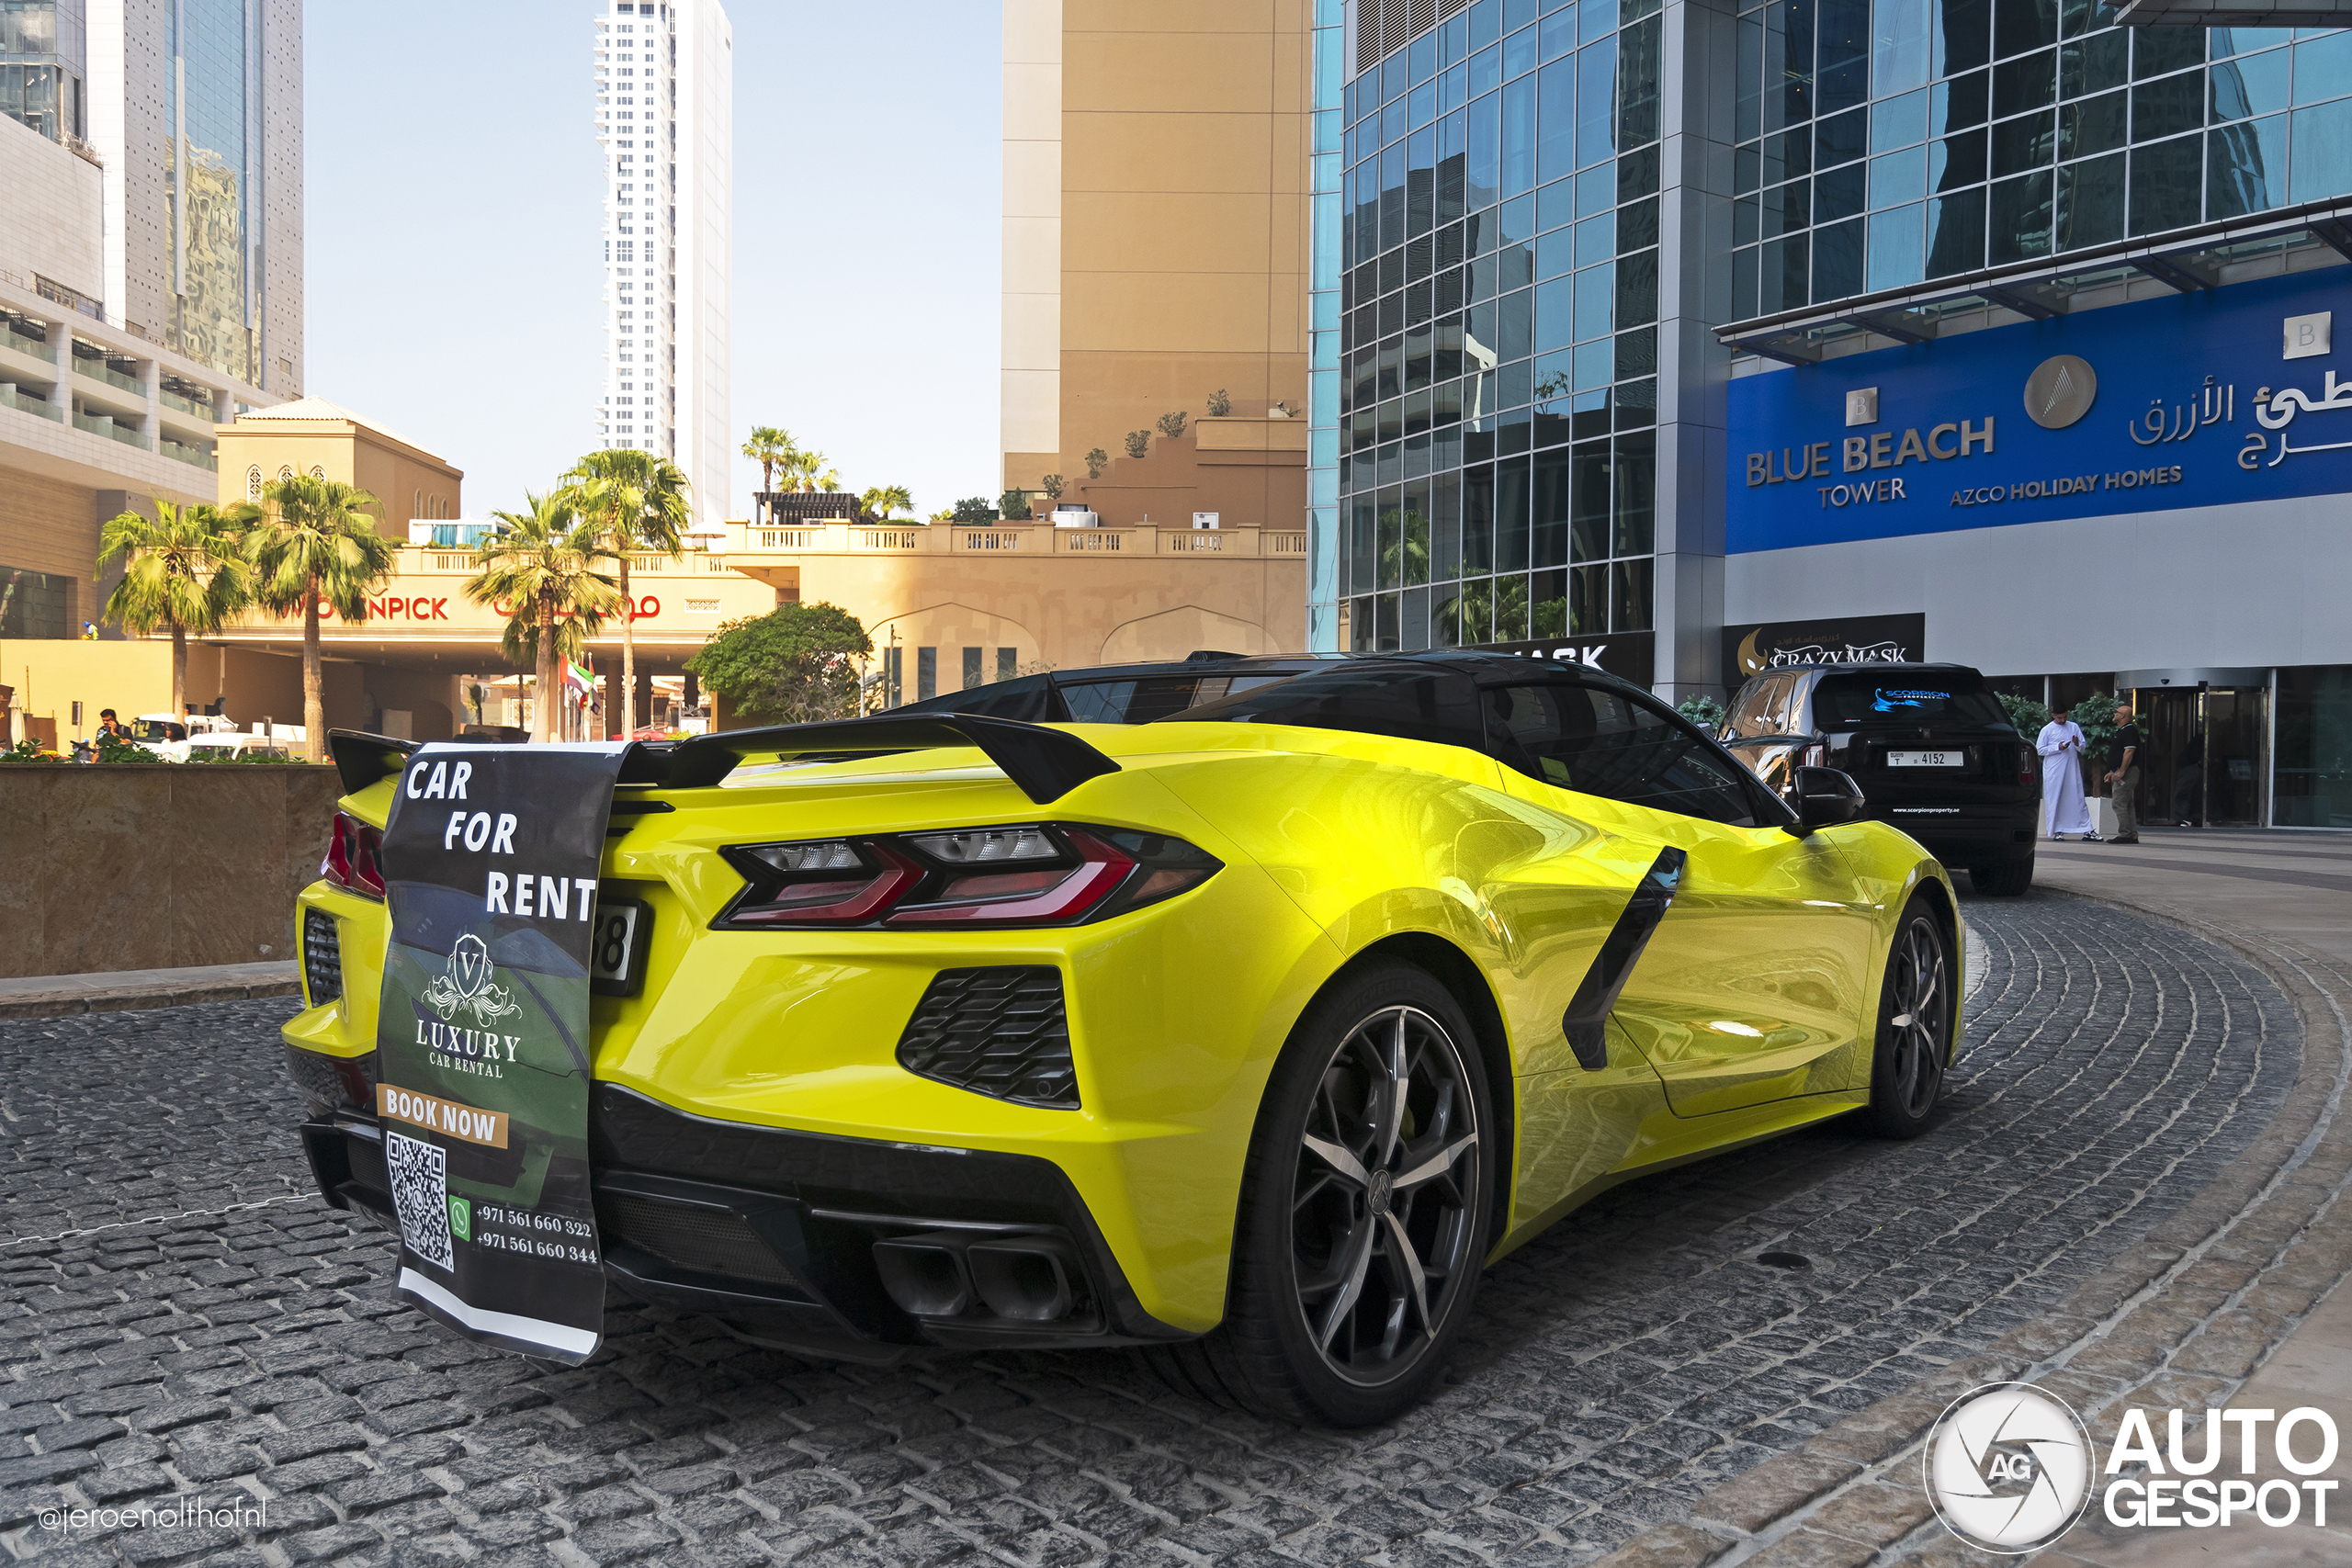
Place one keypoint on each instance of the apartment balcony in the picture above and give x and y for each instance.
(102, 425)
(1273, 441)
(199, 412)
(198, 456)
(105, 394)
(15, 342)
(31, 402)
(99, 370)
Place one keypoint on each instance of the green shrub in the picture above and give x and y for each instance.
(1701, 710)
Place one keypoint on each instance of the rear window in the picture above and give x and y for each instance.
(1843, 700)
(1153, 696)
(1411, 705)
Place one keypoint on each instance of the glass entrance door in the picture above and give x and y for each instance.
(2237, 769)
(2172, 774)
(2205, 762)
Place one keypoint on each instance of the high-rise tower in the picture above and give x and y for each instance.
(151, 268)
(665, 83)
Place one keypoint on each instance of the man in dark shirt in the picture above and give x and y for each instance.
(2123, 776)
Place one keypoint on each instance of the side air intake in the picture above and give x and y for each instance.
(998, 1032)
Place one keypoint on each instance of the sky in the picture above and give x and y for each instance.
(453, 247)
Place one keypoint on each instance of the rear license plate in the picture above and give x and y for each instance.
(616, 948)
(1927, 760)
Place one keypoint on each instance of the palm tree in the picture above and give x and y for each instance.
(541, 564)
(769, 448)
(642, 503)
(183, 574)
(315, 543)
(883, 500)
(802, 467)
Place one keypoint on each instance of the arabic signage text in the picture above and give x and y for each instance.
(2195, 405)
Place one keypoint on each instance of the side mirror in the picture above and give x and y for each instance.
(1825, 797)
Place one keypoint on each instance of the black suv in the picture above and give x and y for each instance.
(1122, 694)
(1930, 745)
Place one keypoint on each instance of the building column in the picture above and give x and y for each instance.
(1697, 107)
(61, 349)
(151, 375)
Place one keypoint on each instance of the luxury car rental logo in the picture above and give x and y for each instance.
(2008, 1468)
(469, 985)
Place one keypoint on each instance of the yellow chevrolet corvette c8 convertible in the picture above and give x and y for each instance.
(1248, 1036)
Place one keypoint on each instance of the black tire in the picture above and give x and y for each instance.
(2005, 881)
(1916, 1009)
(1325, 1322)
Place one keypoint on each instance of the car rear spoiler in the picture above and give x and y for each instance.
(1045, 763)
(360, 758)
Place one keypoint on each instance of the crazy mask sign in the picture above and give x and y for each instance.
(490, 867)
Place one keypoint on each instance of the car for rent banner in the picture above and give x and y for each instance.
(490, 867)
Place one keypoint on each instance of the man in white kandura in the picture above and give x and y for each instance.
(2061, 745)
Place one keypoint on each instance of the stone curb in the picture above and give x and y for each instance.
(2263, 1264)
(133, 998)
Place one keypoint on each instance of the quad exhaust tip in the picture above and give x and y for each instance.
(1027, 1284)
(941, 1275)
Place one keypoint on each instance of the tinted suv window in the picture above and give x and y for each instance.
(1749, 708)
(1602, 742)
(1411, 705)
(1900, 696)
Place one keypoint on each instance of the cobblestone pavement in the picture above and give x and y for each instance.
(1619, 1367)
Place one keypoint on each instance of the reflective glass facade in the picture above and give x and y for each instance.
(44, 66)
(1327, 137)
(211, 184)
(1498, 345)
(1882, 143)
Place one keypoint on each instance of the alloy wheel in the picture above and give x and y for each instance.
(1384, 1196)
(1921, 1019)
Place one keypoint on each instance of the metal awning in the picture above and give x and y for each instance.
(2184, 259)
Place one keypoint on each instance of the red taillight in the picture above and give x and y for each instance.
(836, 900)
(1034, 876)
(355, 856)
(1073, 891)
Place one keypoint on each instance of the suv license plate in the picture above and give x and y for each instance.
(1927, 760)
(616, 947)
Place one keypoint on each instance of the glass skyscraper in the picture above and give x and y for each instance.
(1554, 213)
(210, 183)
(1497, 392)
(1884, 145)
(44, 66)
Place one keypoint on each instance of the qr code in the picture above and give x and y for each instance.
(421, 1195)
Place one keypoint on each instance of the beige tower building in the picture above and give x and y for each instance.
(1156, 252)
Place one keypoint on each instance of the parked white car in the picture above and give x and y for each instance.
(223, 745)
